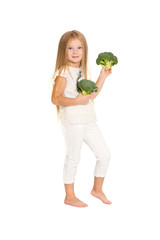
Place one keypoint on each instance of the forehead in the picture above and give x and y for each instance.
(74, 42)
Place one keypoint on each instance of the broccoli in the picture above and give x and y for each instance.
(86, 86)
(106, 58)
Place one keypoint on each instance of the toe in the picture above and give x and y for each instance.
(107, 201)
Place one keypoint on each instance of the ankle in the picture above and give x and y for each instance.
(97, 190)
(70, 196)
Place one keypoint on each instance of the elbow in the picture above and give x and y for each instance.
(54, 101)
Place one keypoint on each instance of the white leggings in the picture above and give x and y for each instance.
(74, 135)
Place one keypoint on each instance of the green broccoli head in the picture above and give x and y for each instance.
(106, 58)
(86, 86)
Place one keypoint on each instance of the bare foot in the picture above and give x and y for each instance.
(75, 202)
(101, 196)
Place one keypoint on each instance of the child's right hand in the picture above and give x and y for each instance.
(83, 99)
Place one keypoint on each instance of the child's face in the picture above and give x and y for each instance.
(74, 52)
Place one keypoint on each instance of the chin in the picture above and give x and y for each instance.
(78, 61)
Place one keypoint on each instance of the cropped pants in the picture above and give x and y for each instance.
(74, 136)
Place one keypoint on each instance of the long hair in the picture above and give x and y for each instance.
(61, 61)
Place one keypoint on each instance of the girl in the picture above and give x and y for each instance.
(77, 114)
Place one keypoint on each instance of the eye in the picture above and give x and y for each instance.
(69, 48)
(80, 47)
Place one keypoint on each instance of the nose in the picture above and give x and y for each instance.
(75, 51)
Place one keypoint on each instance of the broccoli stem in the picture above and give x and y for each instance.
(84, 92)
(102, 62)
(109, 64)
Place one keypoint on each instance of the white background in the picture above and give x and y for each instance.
(32, 145)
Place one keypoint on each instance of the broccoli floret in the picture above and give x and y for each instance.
(106, 58)
(86, 86)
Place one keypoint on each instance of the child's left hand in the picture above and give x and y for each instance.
(106, 73)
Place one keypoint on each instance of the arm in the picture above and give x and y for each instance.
(101, 80)
(99, 84)
(65, 101)
(57, 98)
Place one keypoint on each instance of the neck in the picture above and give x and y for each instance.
(75, 65)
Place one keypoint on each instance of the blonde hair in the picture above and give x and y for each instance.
(61, 61)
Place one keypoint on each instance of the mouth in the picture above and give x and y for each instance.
(75, 56)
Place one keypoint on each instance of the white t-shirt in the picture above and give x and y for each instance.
(75, 114)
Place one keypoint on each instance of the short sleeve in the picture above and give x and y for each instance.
(53, 78)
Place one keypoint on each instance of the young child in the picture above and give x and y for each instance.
(77, 114)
